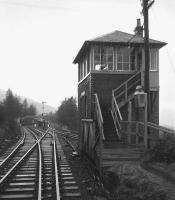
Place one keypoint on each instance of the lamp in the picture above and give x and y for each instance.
(140, 99)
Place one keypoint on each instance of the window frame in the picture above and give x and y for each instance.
(104, 55)
(122, 62)
(156, 67)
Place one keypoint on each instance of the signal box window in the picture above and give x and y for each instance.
(125, 59)
(103, 58)
(123, 55)
(153, 60)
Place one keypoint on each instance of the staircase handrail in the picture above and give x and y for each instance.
(116, 105)
(99, 115)
(160, 128)
(153, 125)
(124, 83)
(128, 85)
(116, 115)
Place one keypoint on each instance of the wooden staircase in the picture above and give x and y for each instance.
(109, 127)
(115, 147)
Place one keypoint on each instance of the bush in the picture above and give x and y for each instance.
(164, 150)
(132, 184)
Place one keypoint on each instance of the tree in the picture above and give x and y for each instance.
(67, 113)
(52, 117)
(2, 114)
(32, 110)
(25, 108)
(11, 109)
(12, 106)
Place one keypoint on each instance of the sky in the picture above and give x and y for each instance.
(39, 40)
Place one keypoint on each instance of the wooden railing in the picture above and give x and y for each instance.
(120, 96)
(135, 128)
(92, 135)
(116, 115)
(126, 90)
(92, 142)
(98, 115)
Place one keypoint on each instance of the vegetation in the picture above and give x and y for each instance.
(67, 113)
(128, 181)
(11, 108)
(163, 151)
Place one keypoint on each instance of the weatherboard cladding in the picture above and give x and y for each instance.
(119, 38)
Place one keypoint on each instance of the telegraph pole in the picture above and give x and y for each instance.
(146, 4)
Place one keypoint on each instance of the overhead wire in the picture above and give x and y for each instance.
(166, 49)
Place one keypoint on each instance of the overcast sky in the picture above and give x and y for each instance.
(40, 38)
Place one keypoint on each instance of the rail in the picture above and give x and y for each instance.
(56, 169)
(99, 116)
(21, 159)
(40, 173)
(14, 150)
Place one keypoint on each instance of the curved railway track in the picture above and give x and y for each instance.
(37, 169)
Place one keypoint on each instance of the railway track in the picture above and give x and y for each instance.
(37, 169)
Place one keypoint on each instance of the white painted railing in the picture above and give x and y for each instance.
(99, 116)
(127, 89)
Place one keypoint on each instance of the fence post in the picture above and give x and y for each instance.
(100, 158)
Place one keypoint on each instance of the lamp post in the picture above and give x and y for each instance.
(140, 98)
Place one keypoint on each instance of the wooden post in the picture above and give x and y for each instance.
(81, 135)
(137, 133)
(129, 120)
(100, 158)
(146, 5)
(126, 96)
(146, 123)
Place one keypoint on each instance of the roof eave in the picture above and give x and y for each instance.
(82, 49)
(87, 43)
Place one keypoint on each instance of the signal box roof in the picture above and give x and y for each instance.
(118, 38)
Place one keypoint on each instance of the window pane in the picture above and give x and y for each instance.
(119, 66)
(110, 66)
(125, 51)
(110, 58)
(153, 63)
(109, 50)
(125, 58)
(125, 66)
(103, 50)
(103, 58)
(119, 58)
(133, 62)
(119, 51)
(97, 57)
(97, 50)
